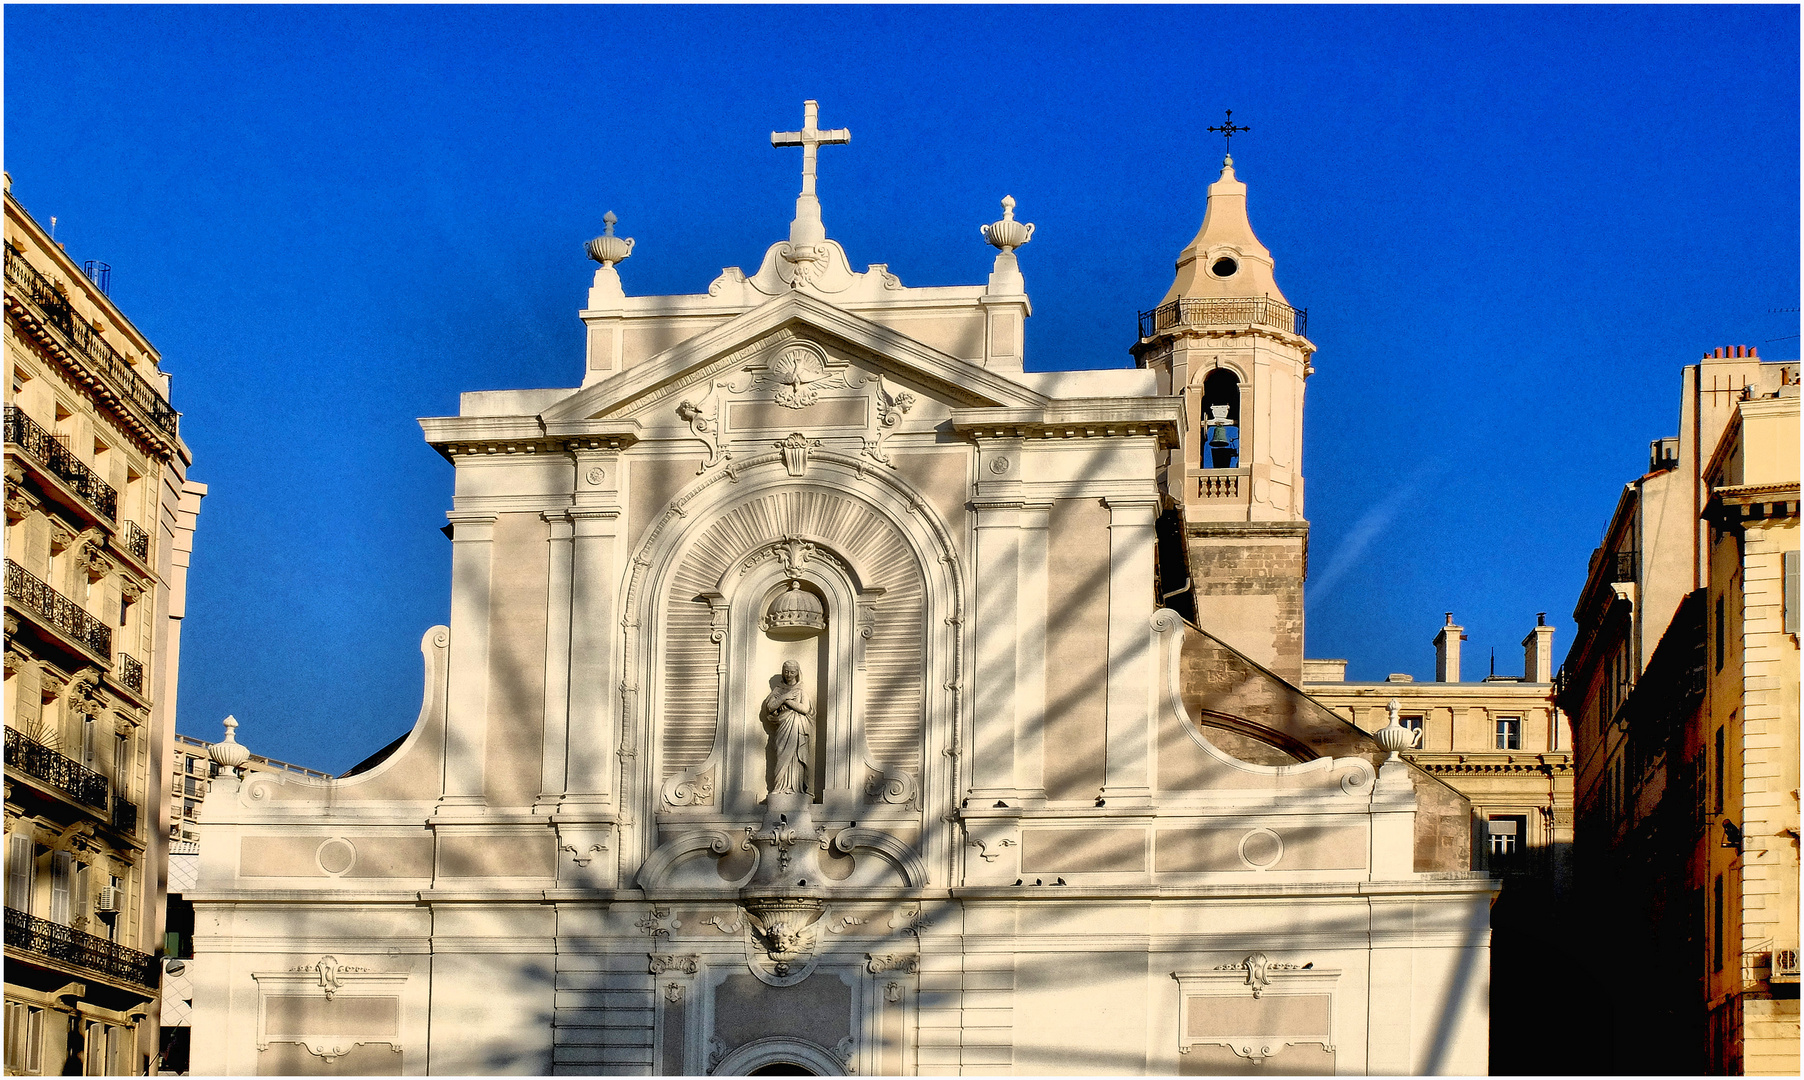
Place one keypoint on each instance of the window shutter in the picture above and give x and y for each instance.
(62, 880)
(20, 872)
(1791, 592)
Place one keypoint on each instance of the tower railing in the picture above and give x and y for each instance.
(1225, 311)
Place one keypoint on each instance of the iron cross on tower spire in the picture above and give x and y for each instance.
(807, 229)
(1229, 129)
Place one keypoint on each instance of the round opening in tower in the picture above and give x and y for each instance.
(1224, 267)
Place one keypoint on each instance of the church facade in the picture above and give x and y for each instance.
(822, 693)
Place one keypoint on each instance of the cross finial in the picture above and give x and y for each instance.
(1229, 129)
(807, 228)
(809, 139)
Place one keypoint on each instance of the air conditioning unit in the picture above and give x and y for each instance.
(107, 902)
(1785, 965)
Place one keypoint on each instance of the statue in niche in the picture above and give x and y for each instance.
(789, 717)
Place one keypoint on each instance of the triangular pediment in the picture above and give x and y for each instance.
(749, 338)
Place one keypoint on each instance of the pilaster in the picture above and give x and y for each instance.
(595, 528)
(466, 715)
(557, 659)
(1129, 738)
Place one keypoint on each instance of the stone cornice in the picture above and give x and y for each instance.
(1077, 418)
(1732, 504)
(1478, 763)
(471, 436)
(1165, 337)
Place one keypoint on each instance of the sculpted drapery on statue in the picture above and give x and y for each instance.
(788, 715)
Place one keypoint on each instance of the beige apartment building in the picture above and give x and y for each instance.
(1500, 741)
(99, 522)
(1682, 686)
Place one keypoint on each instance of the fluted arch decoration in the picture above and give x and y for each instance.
(860, 521)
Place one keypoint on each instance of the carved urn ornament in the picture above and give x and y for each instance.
(229, 754)
(796, 614)
(1007, 234)
(608, 249)
(1394, 736)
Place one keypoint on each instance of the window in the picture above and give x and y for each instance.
(122, 765)
(1509, 733)
(1716, 925)
(88, 749)
(190, 808)
(1721, 634)
(1414, 724)
(1718, 774)
(24, 1038)
(21, 871)
(1505, 839)
(1221, 420)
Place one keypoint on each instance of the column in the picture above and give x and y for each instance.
(557, 660)
(1129, 728)
(467, 699)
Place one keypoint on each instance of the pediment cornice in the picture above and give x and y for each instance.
(796, 315)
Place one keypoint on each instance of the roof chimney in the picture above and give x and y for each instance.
(1446, 651)
(1537, 652)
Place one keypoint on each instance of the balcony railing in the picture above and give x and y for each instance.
(125, 815)
(131, 673)
(67, 945)
(137, 541)
(115, 369)
(24, 432)
(36, 759)
(24, 589)
(1225, 311)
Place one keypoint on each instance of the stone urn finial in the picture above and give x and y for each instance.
(608, 249)
(1394, 736)
(229, 753)
(1007, 234)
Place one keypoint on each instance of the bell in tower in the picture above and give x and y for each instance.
(1227, 341)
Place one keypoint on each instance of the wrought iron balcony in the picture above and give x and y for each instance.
(25, 590)
(1625, 566)
(131, 673)
(24, 432)
(116, 370)
(137, 541)
(1225, 311)
(67, 945)
(125, 815)
(36, 759)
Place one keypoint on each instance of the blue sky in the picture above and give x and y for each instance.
(1511, 227)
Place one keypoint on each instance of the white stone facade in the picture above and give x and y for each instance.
(586, 856)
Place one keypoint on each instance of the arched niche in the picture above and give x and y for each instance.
(888, 574)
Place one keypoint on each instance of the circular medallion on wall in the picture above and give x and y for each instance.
(1261, 849)
(335, 856)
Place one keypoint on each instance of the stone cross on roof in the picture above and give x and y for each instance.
(809, 139)
(807, 229)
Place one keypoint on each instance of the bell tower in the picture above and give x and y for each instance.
(1227, 342)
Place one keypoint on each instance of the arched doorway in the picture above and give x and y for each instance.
(779, 1056)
